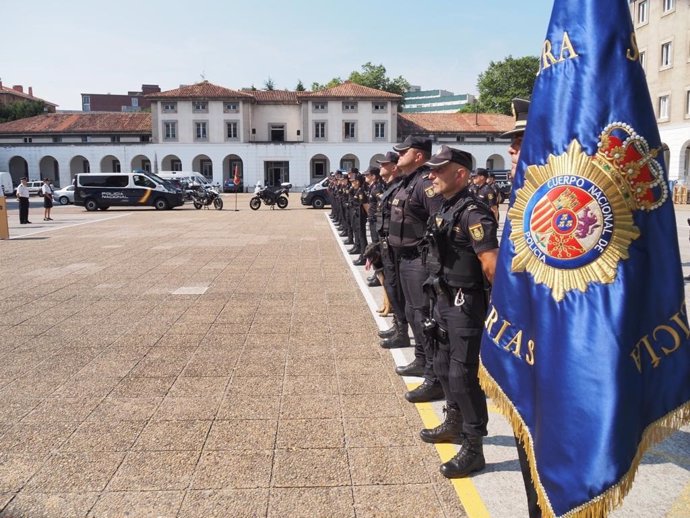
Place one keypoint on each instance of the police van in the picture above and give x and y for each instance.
(102, 190)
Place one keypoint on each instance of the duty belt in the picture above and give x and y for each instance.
(408, 253)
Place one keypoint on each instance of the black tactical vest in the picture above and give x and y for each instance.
(406, 228)
(383, 212)
(458, 266)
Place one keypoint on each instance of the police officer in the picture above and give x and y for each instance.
(484, 191)
(463, 248)
(375, 188)
(520, 110)
(397, 335)
(360, 196)
(412, 205)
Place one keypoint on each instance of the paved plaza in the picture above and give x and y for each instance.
(211, 363)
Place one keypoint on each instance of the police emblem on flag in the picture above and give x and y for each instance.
(573, 218)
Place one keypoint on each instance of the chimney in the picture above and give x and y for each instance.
(18, 88)
(31, 91)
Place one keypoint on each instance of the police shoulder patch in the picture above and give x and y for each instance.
(477, 232)
(429, 191)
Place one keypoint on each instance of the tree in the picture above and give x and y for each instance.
(502, 81)
(21, 110)
(300, 86)
(373, 76)
(268, 84)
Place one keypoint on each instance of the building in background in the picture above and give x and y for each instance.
(268, 136)
(662, 28)
(131, 102)
(417, 100)
(16, 94)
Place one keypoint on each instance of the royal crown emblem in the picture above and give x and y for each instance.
(572, 220)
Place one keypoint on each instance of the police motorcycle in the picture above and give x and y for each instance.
(205, 196)
(270, 197)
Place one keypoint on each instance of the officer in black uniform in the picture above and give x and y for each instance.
(360, 197)
(484, 191)
(412, 205)
(376, 188)
(397, 335)
(463, 248)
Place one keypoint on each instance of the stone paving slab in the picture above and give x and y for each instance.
(199, 363)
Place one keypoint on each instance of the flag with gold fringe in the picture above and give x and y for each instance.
(587, 346)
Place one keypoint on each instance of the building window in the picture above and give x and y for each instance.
(643, 60)
(116, 166)
(145, 138)
(642, 12)
(379, 130)
(84, 138)
(28, 140)
(231, 107)
(176, 165)
(687, 103)
(669, 5)
(170, 130)
(231, 130)
(200, 131)
(135, 102)
(200, 107)
(380, 107)
(277, 132)
(57, 139)
(318, 169)
(320, 107)
(666, 54)
(350, 107)
(663, 107)
(115, 138)
(169, 107)
(350, 130)
(319, 131)
(86, 167)
(86, 103)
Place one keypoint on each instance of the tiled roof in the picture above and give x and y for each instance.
(23, 95)
(427, 123)
(95, 122)
(275, 96)
(203, 90)
(348, 90)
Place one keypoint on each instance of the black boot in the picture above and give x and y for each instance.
(399, 339)
(415, 368)
(426, 392)
(387, 333)
(348, 241)
(373, 283)
(371, 277)
(360, 261)
(342, 233)
(469, 459)
(449, 430)
(354, 250)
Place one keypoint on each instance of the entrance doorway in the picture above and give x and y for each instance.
(276, 173)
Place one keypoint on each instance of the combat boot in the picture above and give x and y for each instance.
(399, 339)
(469, 459)
(387, 333)
(426, 392)
(348, 241)
(449, 430)
(354, 250)
(415, 368)
(360, 261)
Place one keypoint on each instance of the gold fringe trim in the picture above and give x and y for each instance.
(602, 505)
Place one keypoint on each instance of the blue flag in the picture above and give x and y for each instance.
(587, 346)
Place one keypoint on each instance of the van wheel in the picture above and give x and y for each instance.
(91, 205)
(318, 203)
(160, 204)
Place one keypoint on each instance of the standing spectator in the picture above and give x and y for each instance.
(47, 192)
(23, 198)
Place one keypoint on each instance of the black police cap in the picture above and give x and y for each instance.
(448, 154)
(422, 143)
(482, 172)
(391, 156)
(520, 108)
(373, 170)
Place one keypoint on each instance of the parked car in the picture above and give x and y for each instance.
(316, 195)
(34, 187)
(65, 195)
(229, 186)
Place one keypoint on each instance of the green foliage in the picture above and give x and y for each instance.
(21, 110)
(504, 80)
(268, 84)
(373, 76)
(300, 86)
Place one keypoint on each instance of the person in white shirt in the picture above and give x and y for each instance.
(47, 192)
(23, 198)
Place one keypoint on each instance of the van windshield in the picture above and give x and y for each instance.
(161, 181)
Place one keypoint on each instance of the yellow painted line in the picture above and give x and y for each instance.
(465, 489)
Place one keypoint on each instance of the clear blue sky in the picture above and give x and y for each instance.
(64, 49)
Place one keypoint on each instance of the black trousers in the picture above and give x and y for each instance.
(372, 231)
(532, 506)
(23, 209)
(391, 283)
(412, 276)
(456, 363)
(359, 224)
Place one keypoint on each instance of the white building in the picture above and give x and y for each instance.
(270, 136)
